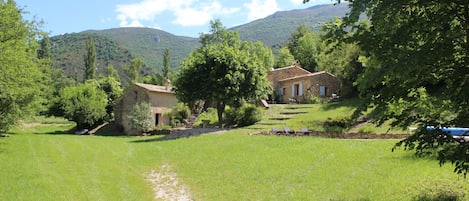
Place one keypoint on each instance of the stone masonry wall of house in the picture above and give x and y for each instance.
(283, 73)
(132, 96)
(310, 84)
(161, 104)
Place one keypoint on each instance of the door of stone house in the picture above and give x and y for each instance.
(157, 119)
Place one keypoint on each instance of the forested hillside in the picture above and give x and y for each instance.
(68, 53)
(149, 44)
(276, 28)
(118, 46)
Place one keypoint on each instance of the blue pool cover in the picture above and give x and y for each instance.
(452, 130)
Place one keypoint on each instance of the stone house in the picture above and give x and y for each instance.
(294, 83)
(161, 98)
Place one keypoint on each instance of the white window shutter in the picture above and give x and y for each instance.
(300, 91)
(293, 90)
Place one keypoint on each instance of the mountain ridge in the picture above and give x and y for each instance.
(149, 43)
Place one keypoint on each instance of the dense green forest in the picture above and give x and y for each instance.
(274, 30)
(68, 52)
(150, 44)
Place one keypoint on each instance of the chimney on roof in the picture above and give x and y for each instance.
(296, 63)
(168, 85)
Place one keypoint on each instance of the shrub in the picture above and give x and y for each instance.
(210, 115)
(337, 125)
(309, 98)
(179, 113)
(246, 115)
(367, 129)
(140, 118)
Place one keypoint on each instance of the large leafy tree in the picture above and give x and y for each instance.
(285, 58)
(20, 76)
(133, 71)
(224, 70)
(342, 60)
(113, 90)
(305, 46)
(84, 103)
(416, 69)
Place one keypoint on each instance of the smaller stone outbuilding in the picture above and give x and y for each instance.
(161, 98)
(295, 83)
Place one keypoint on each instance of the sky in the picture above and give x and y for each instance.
(179, 17)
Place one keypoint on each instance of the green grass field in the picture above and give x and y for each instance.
(38, 165)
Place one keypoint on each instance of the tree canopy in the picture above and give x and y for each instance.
(224, 70)
(415, 68)
(305, 46)
(84, 103)
(90, 59)
(20, 76)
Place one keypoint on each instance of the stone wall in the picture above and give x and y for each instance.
(310, 84)
(160, 103)
(282, 73)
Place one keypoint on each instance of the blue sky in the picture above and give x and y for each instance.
(179, 17)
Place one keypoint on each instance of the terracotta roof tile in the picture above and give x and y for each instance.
(155, 88)
(306, 75)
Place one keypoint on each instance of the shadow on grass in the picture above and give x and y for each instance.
(108, 129)
(344, 103)
(184, 133)
(359, 199)
(442, 196)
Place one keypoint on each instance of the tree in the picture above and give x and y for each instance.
(84, 104)
(44, 48)
(292, 43)
(308, 51)
(415, 69)
(59, 81)
(113, 90)
(166, 60)
(285, 58)
(112, 72)
(90, 59)
(222, 71)
(20, 76)
(305, 46)
(342, 60)
(140, 118)
(133, 71)
(263, 55)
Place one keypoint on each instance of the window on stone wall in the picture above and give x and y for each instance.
(322, 91)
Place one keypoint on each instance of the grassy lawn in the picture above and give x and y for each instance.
(38, 165)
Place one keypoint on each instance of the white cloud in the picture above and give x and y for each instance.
(261, 8)
(190, 16)
(186, 12)
(298, 2)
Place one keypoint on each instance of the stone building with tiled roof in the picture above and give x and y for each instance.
(295, 83)
(161, 98)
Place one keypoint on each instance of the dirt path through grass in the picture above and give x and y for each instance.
(167, 186)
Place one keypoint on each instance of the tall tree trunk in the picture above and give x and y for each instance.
(220, 110)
